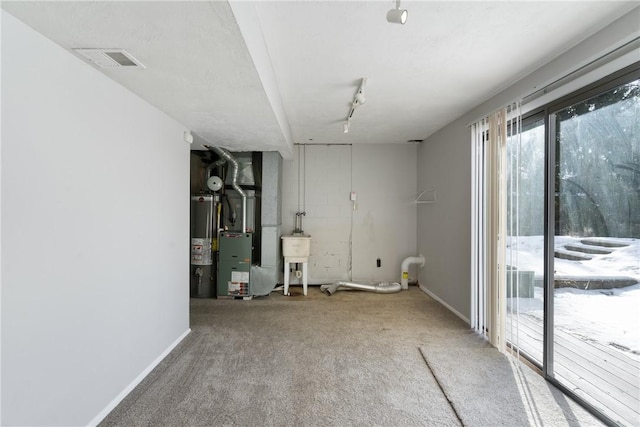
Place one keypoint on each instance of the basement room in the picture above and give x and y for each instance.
(320, 213)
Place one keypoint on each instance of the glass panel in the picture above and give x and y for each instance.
(525, 239)
(596, 334)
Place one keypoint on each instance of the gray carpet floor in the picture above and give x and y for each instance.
(354, 358)
(496, 390)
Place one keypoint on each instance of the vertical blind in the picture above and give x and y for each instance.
(489, 221)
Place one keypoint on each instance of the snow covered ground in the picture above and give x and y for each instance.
(610, 316)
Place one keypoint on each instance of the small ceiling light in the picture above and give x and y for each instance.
(345, 127)
(397, 15)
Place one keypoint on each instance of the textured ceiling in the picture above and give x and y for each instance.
(198, 69)
(448, 58)
(265, 75)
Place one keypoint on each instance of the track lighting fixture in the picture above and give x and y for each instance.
(397, 15)
(358, 100)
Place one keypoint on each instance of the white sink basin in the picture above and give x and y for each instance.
(296, 246)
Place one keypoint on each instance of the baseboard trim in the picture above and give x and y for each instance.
(128, 389)
(451, 309)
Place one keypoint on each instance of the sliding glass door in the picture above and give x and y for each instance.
(525, 238)
(594, 311)
(556, 241)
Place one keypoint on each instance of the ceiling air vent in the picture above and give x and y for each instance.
(109, 58)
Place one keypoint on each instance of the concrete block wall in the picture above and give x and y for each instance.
(348, 237)
(321, 189)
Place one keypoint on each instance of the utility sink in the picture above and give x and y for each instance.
(296, 246)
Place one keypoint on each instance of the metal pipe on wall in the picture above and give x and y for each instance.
(224, 154)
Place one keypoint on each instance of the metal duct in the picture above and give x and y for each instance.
(224, 154)
(380, 288)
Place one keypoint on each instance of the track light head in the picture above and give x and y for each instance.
(358, 100)
(397, 15)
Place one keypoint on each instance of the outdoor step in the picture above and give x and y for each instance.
(587, 249)
(594, 282)
(571, 256)
(604, 243)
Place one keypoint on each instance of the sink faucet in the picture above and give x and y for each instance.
(298, 229)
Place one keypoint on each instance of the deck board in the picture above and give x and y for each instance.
(605, 360)
(608, 403)
(601, 375)
(583, 373)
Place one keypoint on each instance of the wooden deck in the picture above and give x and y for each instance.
(603, 376)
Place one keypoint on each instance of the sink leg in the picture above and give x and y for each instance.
(304, 278)
(286, 278)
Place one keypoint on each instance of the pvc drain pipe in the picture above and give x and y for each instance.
(404, 281)
(380, 288)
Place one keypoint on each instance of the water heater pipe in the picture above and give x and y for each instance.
(224, 154)
(404, 274)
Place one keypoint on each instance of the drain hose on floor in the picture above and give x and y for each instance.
(380, 288)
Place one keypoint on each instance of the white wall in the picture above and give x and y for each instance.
(444, 227)
(95, 214)
(444, 161)
(383, 223)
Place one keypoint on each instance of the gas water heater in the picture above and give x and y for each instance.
(203, 242)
